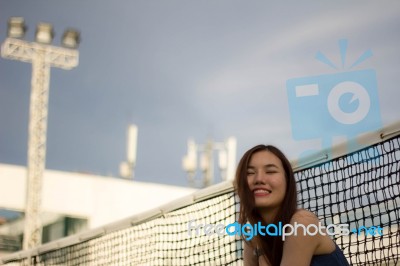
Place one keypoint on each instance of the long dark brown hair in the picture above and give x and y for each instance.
(271, 246)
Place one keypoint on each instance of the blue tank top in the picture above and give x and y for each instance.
(336, 258)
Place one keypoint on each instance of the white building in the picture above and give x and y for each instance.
(73, 202)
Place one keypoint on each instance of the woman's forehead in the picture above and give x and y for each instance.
(265, 158)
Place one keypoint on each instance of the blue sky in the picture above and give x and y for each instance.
(180, 69)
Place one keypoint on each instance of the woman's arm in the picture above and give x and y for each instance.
(298, 249)
(249, 256)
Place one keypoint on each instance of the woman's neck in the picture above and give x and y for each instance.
(268, 215)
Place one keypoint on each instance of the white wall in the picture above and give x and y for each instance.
(100, 199)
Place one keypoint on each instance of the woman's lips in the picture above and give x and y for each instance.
(261, 192)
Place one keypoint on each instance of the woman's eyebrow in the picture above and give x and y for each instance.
(270, 165)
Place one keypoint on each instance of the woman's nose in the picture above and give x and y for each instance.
(259, 177)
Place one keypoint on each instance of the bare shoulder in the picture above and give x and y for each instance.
(299, 246)
(324, 243)
(304, 217)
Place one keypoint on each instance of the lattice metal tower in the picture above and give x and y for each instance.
(42, 56)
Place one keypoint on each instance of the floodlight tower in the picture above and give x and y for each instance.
(42, 56)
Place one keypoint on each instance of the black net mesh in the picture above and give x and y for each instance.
(358, 189)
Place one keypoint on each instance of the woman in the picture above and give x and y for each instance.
(266, 187)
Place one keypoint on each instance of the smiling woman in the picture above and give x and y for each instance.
(266, 187)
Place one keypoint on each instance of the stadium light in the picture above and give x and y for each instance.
(16, 27)
(71, 39)
(42, 56)
(44, 33)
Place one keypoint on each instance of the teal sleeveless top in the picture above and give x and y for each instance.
(336, 258)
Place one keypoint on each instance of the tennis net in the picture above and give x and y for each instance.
(359, 188)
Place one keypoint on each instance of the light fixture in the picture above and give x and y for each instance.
(44, 33)
(16, 27)
(71, 39)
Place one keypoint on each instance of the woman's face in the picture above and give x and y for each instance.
(266, 180)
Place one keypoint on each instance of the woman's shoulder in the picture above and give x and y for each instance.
(325, 245)
(304, 216)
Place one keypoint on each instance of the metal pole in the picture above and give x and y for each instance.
(209, 164)
(36, 148)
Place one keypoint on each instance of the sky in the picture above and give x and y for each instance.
(192, 69)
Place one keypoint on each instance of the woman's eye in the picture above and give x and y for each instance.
(270, 172)
(250, 173)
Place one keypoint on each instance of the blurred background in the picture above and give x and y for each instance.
(202, 70)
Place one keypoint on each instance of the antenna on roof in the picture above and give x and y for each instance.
(126, 168)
